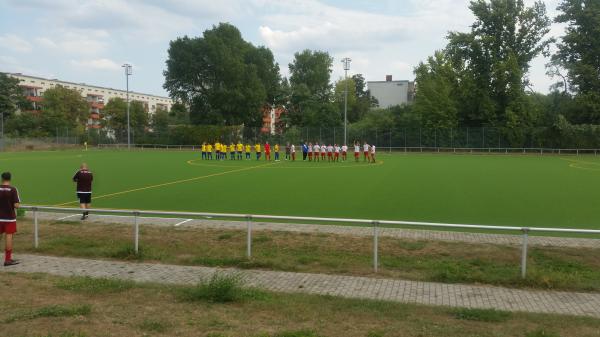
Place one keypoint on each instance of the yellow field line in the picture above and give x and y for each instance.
(168, 183)
(574, 164)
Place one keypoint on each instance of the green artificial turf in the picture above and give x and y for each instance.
(515, 190)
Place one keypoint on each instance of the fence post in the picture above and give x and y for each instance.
(524, 253)
(35, 228)
(376, 246)
(390, 140)
(249, 237)
(136, 236)
(483, 137)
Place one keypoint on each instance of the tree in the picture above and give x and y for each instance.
(492, 61)
(436, 103)
(359, 98)
(579, 53)
(11, 96)
(179, 114)
(115, 116)
(222, 78)
(160, 121)
(63, 107)
(310, 90)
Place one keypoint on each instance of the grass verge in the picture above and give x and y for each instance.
(158, 310)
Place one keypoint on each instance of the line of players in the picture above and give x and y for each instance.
(310, 152)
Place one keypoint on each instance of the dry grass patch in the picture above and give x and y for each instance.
(450, 262)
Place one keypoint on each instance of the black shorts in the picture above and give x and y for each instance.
(84, 198)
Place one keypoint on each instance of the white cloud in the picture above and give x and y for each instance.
(97, 64)
(15, 43)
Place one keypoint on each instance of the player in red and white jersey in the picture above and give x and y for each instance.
(293, 151)
(329, 153)
(9, 202)
(372, 153)
(366, 148)
(323, 152)
(317, 151)
(337, 149)
(310, 151)
(344, 152)
(356, 151)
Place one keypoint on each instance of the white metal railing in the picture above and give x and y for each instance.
(251, 217)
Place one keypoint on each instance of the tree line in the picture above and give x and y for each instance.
(479, 79)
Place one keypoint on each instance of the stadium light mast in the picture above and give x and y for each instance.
(128, 72)
(346, 61)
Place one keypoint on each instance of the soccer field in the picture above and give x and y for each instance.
(518, 190)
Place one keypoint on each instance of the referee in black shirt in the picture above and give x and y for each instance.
(84, 178)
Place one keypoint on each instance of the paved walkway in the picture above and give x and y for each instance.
(408, 234)
(428, 293)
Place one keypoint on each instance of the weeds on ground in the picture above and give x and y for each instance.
(221, 288)
(52, 311)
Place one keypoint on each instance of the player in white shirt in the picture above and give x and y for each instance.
(310, 151)
(323, 152)
(329, 153)
(366, 151)
(293, 151)
(316, 150)
(356, 151)
(372, 153)
(344, 152)
(337, 153)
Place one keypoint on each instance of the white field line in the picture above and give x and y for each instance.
(66, 217)
(182, 222)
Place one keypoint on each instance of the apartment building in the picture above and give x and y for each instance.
(97, 97)
(391, 93)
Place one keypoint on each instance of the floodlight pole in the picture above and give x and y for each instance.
(128, 72)
(346, 61)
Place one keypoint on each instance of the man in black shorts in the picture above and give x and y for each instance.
(9, 201)
(84, 179)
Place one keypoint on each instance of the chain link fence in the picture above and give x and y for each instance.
(398, 138)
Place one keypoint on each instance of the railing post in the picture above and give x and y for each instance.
(376, 246)
(35, 228)
(524, 253)
(136, 235)
(249, 237)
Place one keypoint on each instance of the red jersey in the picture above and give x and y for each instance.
(267, 148)
(9, 196)
(84, 179)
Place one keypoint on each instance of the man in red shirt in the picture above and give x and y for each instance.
(9, 201)
(84, 178)
(268, 151)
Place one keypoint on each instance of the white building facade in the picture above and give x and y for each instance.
(391, 93)
(34, 88)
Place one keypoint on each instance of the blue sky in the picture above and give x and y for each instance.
(87, 41)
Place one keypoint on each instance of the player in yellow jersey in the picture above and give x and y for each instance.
(217, 151)
(239, 148)
(248, 151)
(231, 151)
(203, 151)
(209, 149)
(276, 150)
(257, 150)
